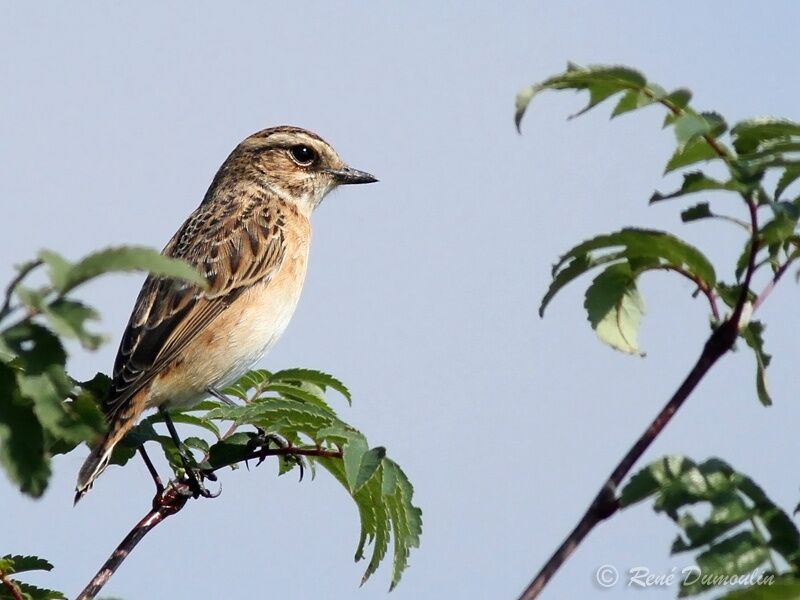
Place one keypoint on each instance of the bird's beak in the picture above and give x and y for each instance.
(347, 176)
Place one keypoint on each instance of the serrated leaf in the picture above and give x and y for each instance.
(639, 246)
(696, 212)
(697, 181)
(234, 448)
(615, 307)
(68, 318)
(188, 419)
(37, 347)
(600, 81)
(27, 563)
(695, 151)
(47, 392)
(649, 480)
(770, 589)
(690, 125)
(385, 506)
(630, 101)
(361, 463)
(127, 259)
(749, 134)
(753, 336)
(57, 266)
(736, 555)
(196, 443)
(778, 230)
(32, 592)
(318, 377)
(788, 177)
(22, 446)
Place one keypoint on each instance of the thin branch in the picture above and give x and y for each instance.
(171, 500)
(772, 283)
(11, 586)
(701, 287)
(23, 273)
(166, 504)
(606, 503)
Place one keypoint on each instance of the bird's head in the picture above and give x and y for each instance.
(293, 163)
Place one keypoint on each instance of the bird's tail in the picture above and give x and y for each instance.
(98, 459)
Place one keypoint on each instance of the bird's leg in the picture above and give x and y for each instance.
(220, 396)
(152, 470)
(196, 485)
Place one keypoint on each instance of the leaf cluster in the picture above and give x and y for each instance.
(748, 152)
(45, 412)
(287, 413)
(742, 530)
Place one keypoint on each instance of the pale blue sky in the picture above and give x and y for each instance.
(422, 289)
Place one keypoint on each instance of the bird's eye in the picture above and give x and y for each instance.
(303, 154)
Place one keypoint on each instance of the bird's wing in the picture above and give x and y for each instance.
(233, 249)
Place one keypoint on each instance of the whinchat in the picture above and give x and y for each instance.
(250, 238)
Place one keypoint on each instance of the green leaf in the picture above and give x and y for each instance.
(126, 259)
(784, 536)
(654, 477)
(188, 419)
(778, 230)
(385, 507)
(736, 555)
(68, 318)
(600, 81)
(317, 377)
(632, 100)
(31, 592)
(774, 589)
(22, 447)
(696, 212)
(697, 181)
(235, 448)
(58, 267)
(690, 125)
(697, 150)
(753, 336)
(615, 308)
(748, 135)
(361, 463)
(27, 563)
(47, 392)
(37, 347)
(789, 176)
(642, 246)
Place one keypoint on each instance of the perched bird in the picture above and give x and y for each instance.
(250, 238)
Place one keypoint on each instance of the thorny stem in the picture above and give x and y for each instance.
(170, 501)
(606, 502)
(11, 586)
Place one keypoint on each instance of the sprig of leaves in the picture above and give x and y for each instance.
(749, 150)
(290, 410)
(743, 531)
(43, 411)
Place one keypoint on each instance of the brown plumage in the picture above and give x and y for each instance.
(250, 238)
